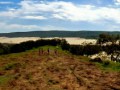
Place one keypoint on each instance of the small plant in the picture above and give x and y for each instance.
(5, 79)
(109, 66)
(12, 66)
(106, 63)
(28, 76)
(53, 82)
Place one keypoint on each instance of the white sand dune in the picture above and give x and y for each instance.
(17, 40)
(70, 40)
(80, 41)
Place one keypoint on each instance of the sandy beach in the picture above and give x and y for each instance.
(70, 40)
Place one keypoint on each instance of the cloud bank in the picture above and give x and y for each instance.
(64, 11)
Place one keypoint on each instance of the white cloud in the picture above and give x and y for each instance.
(35, 17)
(58, 16)
(69, 11)
(8, 13)
(50, 27)
(16, 27)
(117, 2)
(63, 10)
(5, 26)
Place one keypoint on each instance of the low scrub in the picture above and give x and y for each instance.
(109, 66)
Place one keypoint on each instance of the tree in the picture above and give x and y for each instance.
(104, 37)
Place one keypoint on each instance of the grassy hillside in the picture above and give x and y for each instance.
(62, 71)
(82, 34)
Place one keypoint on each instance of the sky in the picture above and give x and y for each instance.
(71, 15)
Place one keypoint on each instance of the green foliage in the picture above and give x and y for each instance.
(81, 34)
(92, 49)
(109, 66)
(64, 45)
(34, 44)
(85, 50)
(105, 37)
(74, 49)
(5, 48)
(77, 49)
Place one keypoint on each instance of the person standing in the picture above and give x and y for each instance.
(48, 51)
(41, 51)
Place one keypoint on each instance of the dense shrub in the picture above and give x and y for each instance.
(111, 48)
(52, 42)
(74, 49)
(77, 49)
(32, 44)
(64, 45)
(105, 37)
(85, 50)
(5, 48)
(92, 49)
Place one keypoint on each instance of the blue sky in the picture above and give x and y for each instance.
(43, 15)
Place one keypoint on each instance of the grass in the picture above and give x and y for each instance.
(109, 66)
(5, 79)
(105, 66)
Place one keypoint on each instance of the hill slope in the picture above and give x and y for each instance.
(82, 34)
(61, 71)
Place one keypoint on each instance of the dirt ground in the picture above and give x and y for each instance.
(61, 71)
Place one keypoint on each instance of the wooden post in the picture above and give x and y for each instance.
(55, 51)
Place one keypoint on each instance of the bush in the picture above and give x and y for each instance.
(5, 48)
(74, 49)
(64, 45)
(77, 49)
(92, 49)
(33, 44)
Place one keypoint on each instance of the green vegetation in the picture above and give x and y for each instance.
(74, 49)
(109, 66)
(104, 37)
(81, 34)
(105, 65)
(16, 48)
